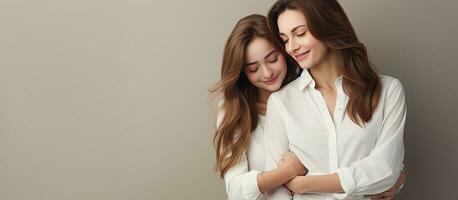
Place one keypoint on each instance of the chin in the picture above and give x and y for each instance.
(304, 64)
(274, 88)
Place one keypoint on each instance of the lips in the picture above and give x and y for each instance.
(301, 56)
(271, 81)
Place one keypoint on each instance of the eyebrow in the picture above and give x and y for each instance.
(294, 29)
(273, 51)
(265, 57)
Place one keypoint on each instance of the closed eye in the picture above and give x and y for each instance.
(301, 34)
(273, 60)
(252, 69)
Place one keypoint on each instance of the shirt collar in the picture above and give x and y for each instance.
(306, 80)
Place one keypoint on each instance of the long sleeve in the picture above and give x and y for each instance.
(276, 144)
(241, 183)
(379, 171)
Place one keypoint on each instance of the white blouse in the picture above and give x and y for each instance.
(367, 159)
(241, 180)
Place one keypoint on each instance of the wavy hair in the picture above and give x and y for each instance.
(327, 22)
(239, 115)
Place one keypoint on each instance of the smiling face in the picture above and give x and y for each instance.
(299, 42)
(265, 66)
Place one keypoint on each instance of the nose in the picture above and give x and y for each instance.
(266, 72)
(292, 46)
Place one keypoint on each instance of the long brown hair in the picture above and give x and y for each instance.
(240, 116)
(328, 22)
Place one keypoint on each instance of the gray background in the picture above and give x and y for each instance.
(415, 41)
(108, 99)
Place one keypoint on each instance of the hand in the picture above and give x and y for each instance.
(387, 195)
(290, 161)
(293, 185)
(390, 194)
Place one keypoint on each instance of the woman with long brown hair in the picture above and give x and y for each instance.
(253, 67)
(344, 121)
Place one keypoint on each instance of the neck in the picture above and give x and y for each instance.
(263, 96)
(261, 104)
(325, 74)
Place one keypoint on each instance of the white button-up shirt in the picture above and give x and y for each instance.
(367, 159)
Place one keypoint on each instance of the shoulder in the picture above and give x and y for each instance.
(388, 80)
(392, 88)
(390, 83)
(287, 91)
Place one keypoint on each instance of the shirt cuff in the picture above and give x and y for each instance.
(250, 188)
(347, 181)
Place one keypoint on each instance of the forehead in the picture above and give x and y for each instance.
(290, 19)
(257, 49)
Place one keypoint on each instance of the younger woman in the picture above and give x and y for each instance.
(253, 67)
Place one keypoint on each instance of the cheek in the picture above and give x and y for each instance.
(252, 77)
(281, 68)
(318, 47)
(281, 64)
(321, 50)
(310, 42)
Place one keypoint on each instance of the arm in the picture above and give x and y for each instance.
(378, 171)
(391, 193)
(276, 144)
(290, 168)
(331, 184)
(243, 183)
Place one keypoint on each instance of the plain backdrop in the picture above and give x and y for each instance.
(108, 99)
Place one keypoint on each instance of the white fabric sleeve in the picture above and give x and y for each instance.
(276, 144)
(380, 170)
(241, 184)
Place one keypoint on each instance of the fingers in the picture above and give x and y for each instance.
(388, 195)
(383, 198)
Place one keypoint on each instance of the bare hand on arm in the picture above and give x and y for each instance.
(289, 167)
(289, 158)
(289, 161)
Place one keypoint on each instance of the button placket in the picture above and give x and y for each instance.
(329, 122)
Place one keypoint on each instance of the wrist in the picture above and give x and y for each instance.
(288, 172)
(299, 184)
(303, 184)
